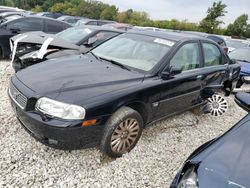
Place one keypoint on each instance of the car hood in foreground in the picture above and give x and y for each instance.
(89, 77)
(225, 163)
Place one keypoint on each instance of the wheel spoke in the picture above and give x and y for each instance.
(125, 135)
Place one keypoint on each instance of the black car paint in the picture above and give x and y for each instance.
(7, 33)
(102, 88)
(224, 161)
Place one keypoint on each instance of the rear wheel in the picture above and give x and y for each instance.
(217, 105)
(122, 132)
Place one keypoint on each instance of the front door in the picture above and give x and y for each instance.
(183, 90)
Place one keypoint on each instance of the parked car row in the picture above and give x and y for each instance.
(85, 86)
(106, 96)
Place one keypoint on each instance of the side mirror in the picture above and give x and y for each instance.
(91, 41)
(172, 72)
(243, 100)
(175, 70)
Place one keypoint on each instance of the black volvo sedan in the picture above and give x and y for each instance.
(106, 97)
(222, 162)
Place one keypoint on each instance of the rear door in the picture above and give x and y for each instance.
(182, 91)
(215, 68)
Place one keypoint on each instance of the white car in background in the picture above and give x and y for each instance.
(233, 44)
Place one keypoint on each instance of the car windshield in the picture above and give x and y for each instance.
(137, 51)
(236, 44)
(240, 54)
(74, 34)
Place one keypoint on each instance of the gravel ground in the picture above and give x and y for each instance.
(153, 163)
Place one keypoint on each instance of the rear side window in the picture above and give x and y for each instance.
(53, 26)
(92, 23)
(187, 57)
(212, 55)
(27, 24)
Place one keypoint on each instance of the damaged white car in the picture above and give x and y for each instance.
(35, 47)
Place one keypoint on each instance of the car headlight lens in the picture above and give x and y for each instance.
(189, 179)
(59, 109)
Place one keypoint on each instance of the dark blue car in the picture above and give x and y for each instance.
(242, 56)
(222, 162)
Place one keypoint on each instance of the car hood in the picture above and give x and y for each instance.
(77, 73)
(245, 67)
(40, 37)
(225, 163)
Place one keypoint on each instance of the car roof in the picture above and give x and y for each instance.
(169, 35)
(100, 28)
(45, 18)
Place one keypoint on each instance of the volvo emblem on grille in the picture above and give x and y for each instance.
(15, 95)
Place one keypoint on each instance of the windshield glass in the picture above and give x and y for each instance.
(236, 44)
(74, 34)
(133, 50)
(240, 54)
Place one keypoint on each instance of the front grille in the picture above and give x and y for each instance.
(17, 96)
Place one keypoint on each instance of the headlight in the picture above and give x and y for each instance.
(189, 179)
(59, 109)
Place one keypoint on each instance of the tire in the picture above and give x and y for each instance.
(122, 132)
(1, 53)
(239, 83)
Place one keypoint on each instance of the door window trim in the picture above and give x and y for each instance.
(203, 54)
(178, 48)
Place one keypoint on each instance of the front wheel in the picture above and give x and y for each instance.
(122, 132)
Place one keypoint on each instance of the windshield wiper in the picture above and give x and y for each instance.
(97, 57)
(115, 63)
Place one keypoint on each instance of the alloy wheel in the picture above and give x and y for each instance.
(217, 105)
(125, 135)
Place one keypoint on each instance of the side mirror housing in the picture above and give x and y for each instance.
(243, 100)
(15, 30)
(175, 70)
(91, 41)
(171, 72)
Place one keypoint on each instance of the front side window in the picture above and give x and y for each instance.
(187, 57)
(137, 51)
(212, 55)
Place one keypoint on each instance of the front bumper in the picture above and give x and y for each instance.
(70, 135)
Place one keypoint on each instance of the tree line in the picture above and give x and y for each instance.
(97, 10)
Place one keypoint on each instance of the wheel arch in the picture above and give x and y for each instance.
(138, 106)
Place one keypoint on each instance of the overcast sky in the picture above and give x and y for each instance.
(192, 10)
